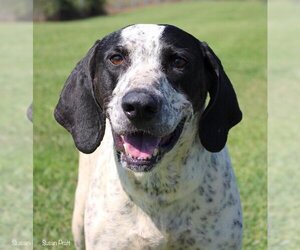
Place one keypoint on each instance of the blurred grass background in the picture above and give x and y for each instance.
(237, 33)
(16, 165)
(283, 125)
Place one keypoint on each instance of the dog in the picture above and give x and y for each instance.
(162, 176)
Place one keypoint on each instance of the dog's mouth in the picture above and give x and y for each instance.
(140, 151)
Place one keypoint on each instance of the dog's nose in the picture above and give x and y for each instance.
(139, 105)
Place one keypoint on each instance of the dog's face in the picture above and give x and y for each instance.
(151, 86)
(151, 82)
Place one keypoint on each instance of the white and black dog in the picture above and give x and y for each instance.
(162, 176)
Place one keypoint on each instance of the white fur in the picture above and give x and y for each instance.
(157, 221)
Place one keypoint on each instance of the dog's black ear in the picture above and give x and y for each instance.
(77, 109)
(222, 111)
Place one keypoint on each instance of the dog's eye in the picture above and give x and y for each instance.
(178, 62)
(116, 59)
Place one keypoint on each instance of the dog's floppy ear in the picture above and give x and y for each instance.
(77, 109)
(222, 111)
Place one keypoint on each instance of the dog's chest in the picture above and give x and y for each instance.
(208, 217)
(118, 223)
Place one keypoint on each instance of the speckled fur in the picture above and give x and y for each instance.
(188, 201)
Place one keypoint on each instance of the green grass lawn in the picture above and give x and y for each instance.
(236, 31)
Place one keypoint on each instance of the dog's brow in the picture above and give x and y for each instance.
(177, 50)
(118, 47)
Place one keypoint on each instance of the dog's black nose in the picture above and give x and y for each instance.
(140, 105)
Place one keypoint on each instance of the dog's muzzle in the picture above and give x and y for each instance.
(140, 149)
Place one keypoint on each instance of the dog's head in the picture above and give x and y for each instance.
(151, 82)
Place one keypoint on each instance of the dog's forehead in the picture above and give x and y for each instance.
(144, 32)
(142, 37)
(152, 36)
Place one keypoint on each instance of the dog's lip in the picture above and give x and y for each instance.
(144, 157)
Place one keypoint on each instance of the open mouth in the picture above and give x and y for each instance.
(141, 151)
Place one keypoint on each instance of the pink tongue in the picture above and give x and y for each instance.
(140, 146)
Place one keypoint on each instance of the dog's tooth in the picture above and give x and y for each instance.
(155, 152)
(125, 148)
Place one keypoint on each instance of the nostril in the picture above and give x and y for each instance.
(128, 107)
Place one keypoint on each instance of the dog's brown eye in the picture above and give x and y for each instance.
(116, 59)
(179, 62)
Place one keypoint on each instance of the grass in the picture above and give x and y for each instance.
(236, 31)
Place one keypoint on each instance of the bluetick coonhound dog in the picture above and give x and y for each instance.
(162, 176)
